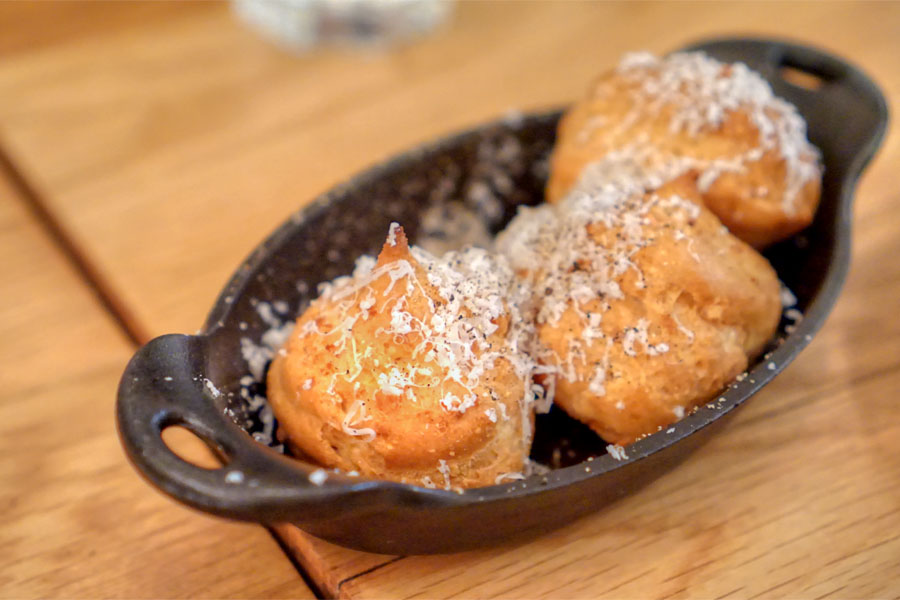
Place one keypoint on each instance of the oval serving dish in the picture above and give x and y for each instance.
(213, 383)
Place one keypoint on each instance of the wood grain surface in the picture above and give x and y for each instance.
(166, 140)
(77, 520)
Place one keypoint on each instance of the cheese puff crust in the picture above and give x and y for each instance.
(649, 305)
(756, 170)
(373, 380)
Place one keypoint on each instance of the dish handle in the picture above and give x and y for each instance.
(836, 98)
(164, 386)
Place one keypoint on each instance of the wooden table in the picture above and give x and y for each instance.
(146, 148)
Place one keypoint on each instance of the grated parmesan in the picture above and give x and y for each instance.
(616, 451)
(698, 93)
(544, 243)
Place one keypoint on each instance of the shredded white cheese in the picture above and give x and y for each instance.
(698, 93)
(617, 452)
(318, 477)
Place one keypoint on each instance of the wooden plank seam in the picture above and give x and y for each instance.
(311, 583)
(91, 275)
(364, 572)
(123, 318)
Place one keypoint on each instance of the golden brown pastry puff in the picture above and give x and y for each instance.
(412, 369)
(648, 305)
(688, 112)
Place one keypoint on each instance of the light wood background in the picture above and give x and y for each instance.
(146, 148)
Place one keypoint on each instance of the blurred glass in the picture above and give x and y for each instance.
(303, 24)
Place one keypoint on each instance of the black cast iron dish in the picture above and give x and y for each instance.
(194, 381)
